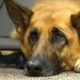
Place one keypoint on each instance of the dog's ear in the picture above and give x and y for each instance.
(20, 15)
(75, 20)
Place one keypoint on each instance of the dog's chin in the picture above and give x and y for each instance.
(44, 73)
(33, 74)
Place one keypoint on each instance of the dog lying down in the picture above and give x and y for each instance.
(49, 34)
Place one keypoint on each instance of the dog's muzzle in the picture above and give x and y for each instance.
(41, 67)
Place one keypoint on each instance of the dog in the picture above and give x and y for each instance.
(49, 34)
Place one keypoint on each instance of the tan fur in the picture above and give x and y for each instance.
(50, 13)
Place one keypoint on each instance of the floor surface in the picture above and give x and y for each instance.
(17, 74)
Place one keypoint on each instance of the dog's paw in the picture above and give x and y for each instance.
(77, 66)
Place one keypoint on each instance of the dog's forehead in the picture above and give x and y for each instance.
(47, 16)
(56, 8)
(50, 19)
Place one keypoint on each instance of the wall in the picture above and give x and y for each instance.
(6, 25)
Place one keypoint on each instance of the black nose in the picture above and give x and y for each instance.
(34, 67)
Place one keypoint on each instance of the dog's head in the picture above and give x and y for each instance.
(48, 36)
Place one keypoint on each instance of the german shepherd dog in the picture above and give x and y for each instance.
(49, 34)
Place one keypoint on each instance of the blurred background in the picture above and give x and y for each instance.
(6, 25)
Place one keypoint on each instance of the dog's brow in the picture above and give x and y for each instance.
(34, 30)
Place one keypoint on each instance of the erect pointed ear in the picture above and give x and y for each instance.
(75, 20)
(20, 15)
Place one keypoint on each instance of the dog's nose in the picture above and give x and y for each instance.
(34, 67)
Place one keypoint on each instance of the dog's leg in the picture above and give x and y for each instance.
(77, 66)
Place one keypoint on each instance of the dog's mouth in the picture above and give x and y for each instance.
(42, 74)
(36, 68)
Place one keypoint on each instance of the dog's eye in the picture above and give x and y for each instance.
(57, 36)
(33, 36)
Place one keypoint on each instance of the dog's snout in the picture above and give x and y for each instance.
(34, 67)
(41, 67)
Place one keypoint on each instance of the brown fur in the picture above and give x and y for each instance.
(57, 14)
(47, 15)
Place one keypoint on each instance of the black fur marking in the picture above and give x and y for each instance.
(16, 58)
